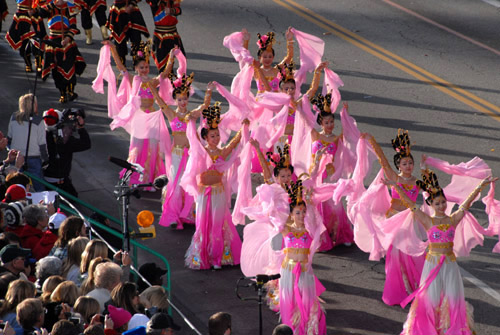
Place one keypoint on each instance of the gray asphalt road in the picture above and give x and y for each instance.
(399, 71)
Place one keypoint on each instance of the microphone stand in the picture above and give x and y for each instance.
(259, 287)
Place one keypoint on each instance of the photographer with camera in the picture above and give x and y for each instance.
(61, 144)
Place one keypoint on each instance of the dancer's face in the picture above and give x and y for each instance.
(213, 137)
(298, 214)
(142, 69)
(182, 100)
(266, 58)
(288, 88)
(284, 176)
(328, 123)
(406, 165)
(439, 205)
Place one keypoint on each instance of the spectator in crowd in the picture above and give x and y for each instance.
(61, 149)
(19, 290)
(120, 318)
(161, 324)
(282, 330)
(5, 279)
(219, 324)
(69, 229)
(13, 260)
(125, 295)
(49, 286)
(153, 274)
(71, 265)
(155, 299)
(107, 276)
(64, 327)
(36, 220)
(20, 178)
(13, 219)
(30, 315)
(10, 168)
(46, 267)
(94, 330)
(17, 136)
(89, 283)
(87, 307)
(95, 248)
(66, 292)
(50, 236)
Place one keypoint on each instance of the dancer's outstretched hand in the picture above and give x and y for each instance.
(289, 34)
(246, 34)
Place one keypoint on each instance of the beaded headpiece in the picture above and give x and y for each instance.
(211, 116)
(181, 85)
(430, 184)
(322, 103)
(401, 143)
(265, 42)
(141, 51)
(283, 160)
(286, 72)
(294, 192)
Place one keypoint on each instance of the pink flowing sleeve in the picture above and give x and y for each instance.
(198, 161)
(126, 114)
(165, 91)
(237, 112)
(465, 177)
(234, 43)
(332, 82)
(105, 72)
(314, 225)
(366, 213)
(274, 104)
(493, 211)
(269, 211)
(301, 140)
(468, 234)
(244, 192)
(400, 231)
(311, 51)
(181, 69)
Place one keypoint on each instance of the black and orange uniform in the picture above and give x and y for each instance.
(65, 62)
(165, 14)
(126, 26)
(25, 26)
(97, 8)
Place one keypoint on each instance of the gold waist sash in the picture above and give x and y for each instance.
(289, 264)
(297, 251)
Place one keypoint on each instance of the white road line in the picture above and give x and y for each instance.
(483, 286)
(495, 3)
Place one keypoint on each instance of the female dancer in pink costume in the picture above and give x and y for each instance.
(177, 205)
(132, 109)
(298, 232)
(215, 241)
(402, 271)
(439, 306)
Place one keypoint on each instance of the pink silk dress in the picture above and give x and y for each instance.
(215, 241)
(145, 152)
(338, 227)
(402, 272)
(177, 205)
(439, 306)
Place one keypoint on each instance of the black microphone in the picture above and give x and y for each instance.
(262, 279)
(160, 182)
(123, 163)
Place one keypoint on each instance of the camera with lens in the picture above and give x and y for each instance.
(70, 115)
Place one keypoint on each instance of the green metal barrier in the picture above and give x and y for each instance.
(111, 231)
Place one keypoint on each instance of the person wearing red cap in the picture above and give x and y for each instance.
(15, 193)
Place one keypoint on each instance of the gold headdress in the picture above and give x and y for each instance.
(295, 193)
(265, 42)
(322, 103)
(283, 160)
(401, 143)
(211, 116)
(286, 72)
(430, 184)
(181, 85)
(141, 51)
